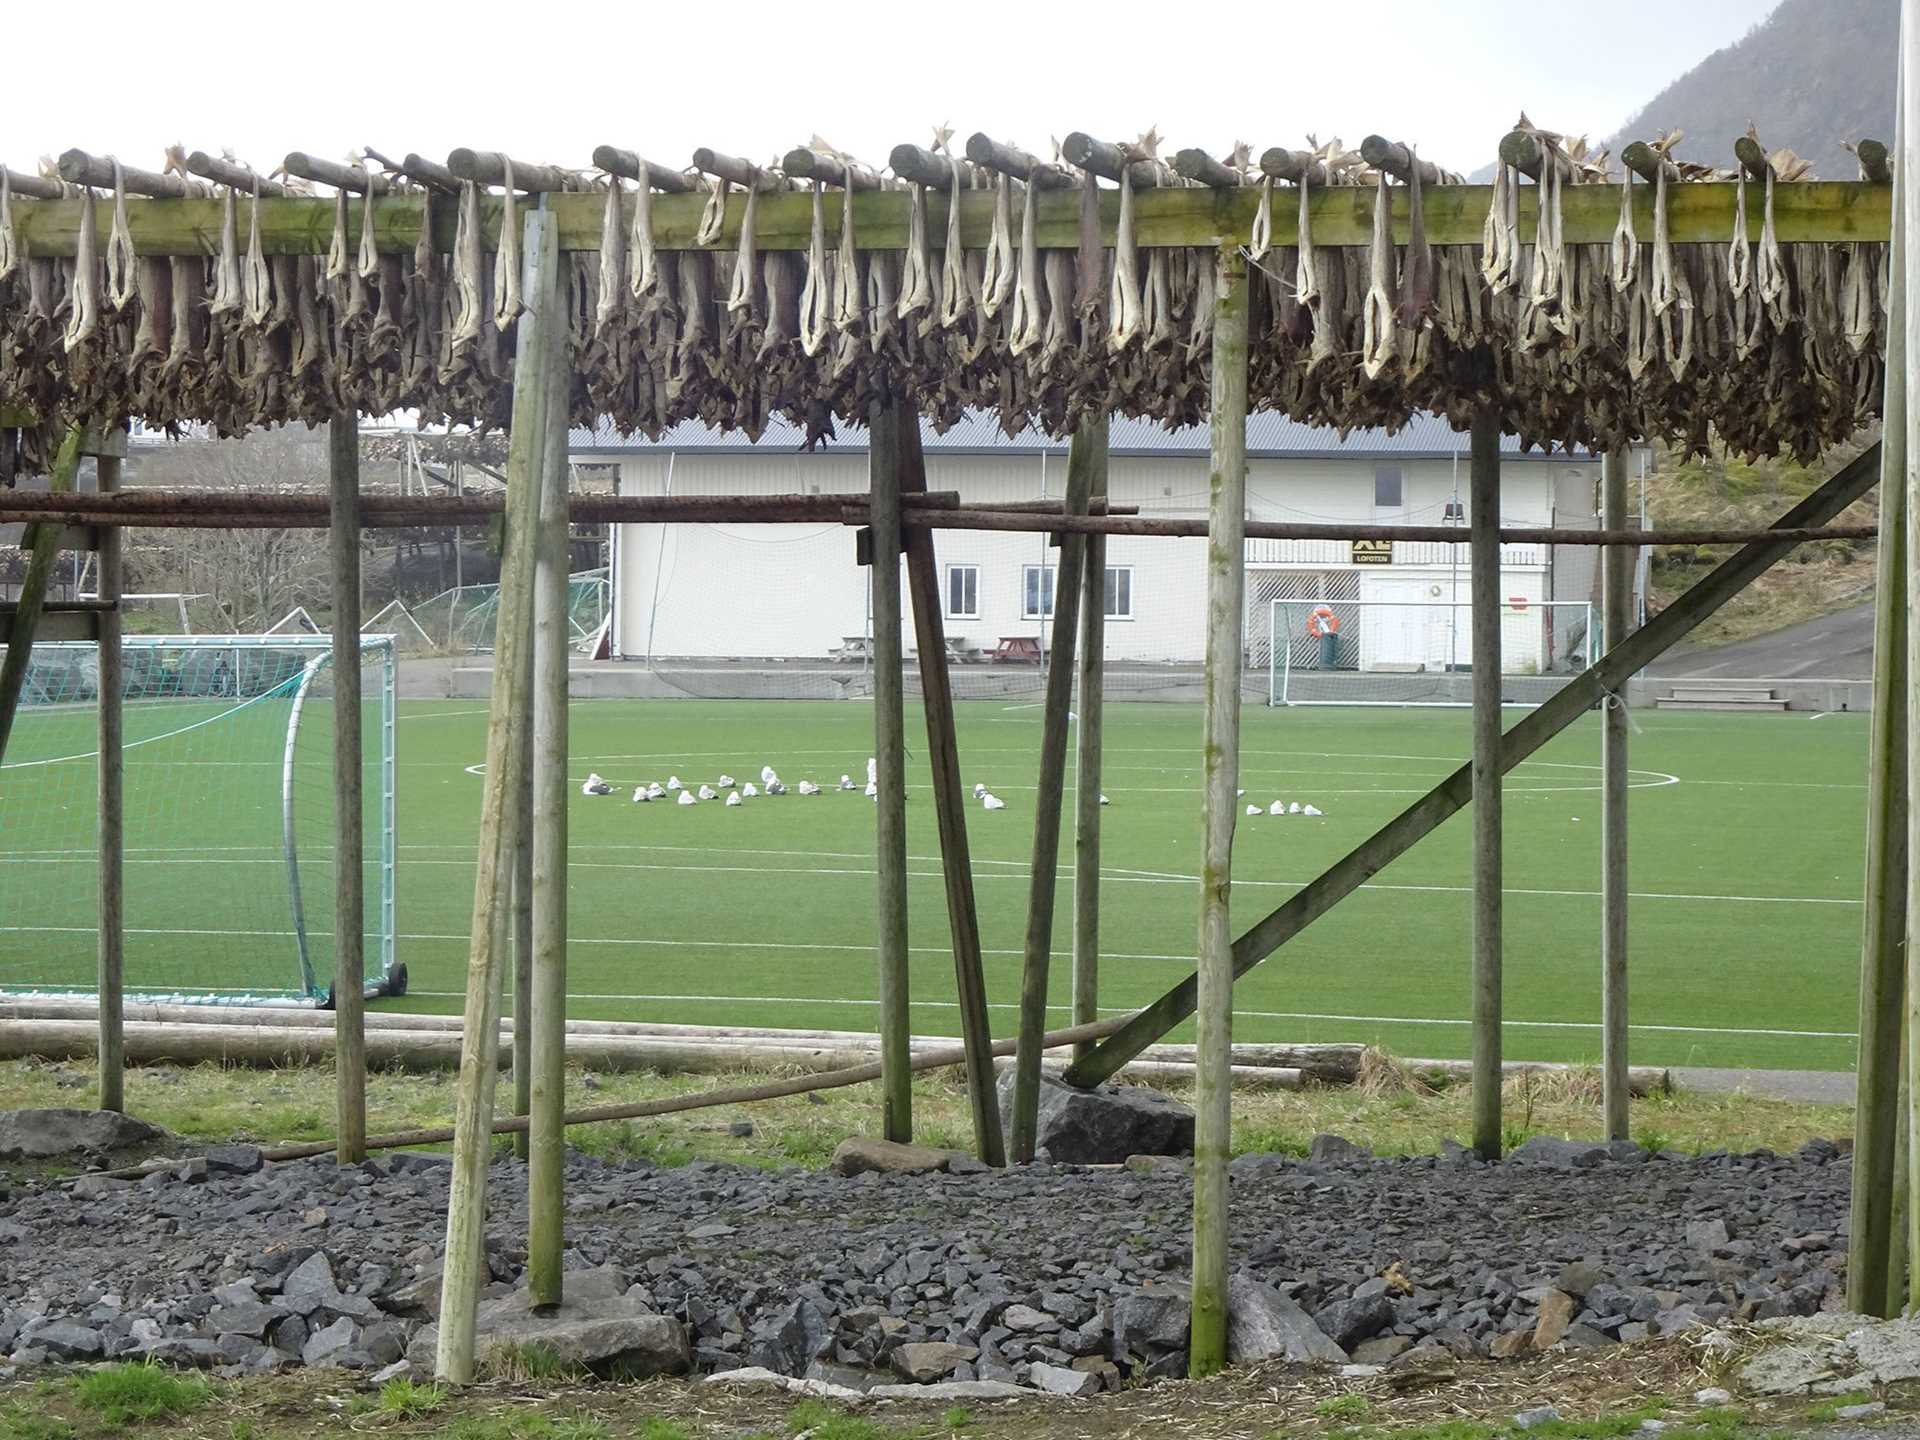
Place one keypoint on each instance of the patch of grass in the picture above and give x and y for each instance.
(1352, 1406)
(658, 1429)
(957, 1418)
(820, 1422)
(1828, 1411)
(409, 1400)
(523, 1364)
(136, 1394)
(19, 1421)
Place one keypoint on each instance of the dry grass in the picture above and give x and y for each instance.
(1382, 1074)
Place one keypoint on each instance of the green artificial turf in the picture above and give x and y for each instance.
(1746, 874)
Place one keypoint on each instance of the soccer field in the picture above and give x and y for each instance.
(1747, 836)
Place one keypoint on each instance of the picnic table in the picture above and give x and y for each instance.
(1016, 649)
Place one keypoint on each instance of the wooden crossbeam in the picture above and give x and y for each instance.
(1698, 212)
(1421, 818)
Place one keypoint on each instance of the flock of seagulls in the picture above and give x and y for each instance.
(1284, 807)
(771, 784)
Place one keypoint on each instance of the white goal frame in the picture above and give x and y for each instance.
(1450, 686)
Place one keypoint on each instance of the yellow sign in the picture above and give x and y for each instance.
(1373, 552)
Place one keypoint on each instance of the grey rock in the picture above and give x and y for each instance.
(329, 1345)
(399, 1370)
(931, 1360)
(1025, 1317)
(1535, 1418)
(1335, 1149)
(1561, 1154)
(1861, 1412)
(66, 1341)
(1706, 1236)
(234, 1160)
(1381, 1350)
(858, 1156)
(50, 1134)
(1056, 1381)
(92, 1187)
(847, 1377)
(1107, 1124)
(1712, 1395)
(1263, 1324)
(248, 1317)
(951, 1390)
(1579, 1279)
(1348, 1322)
(1147, 1322)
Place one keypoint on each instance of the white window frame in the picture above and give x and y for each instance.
(973, 584)
(1048, 592)
(1128, 613)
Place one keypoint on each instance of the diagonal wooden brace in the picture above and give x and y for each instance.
(1419, 819)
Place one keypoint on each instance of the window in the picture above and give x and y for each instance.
(1036, 592)
(1119, 592)
(963, 592)
(1387, 490)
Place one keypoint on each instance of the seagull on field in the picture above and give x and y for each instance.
(673, 782)
(641, 796)
(1311, 810)
(725, 782)
(707, 792)
(846, 782)
(1279, 807)
(686, 798)
(1105, 801)
(776, 786)
(749, 790)
(1254, 810)
(655, 790)
(1294, 808)
(594, 785)
(992, 802)
(873, 789)
(734, 798)
(873, 770)
(807, 787)
(979, 790)
(767, 776)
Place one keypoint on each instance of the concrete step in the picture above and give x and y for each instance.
(1720, 692)
(1673, 702)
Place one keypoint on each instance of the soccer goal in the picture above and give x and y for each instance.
(1403, 652)
(229, 819)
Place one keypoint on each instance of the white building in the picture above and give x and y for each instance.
(766, 593)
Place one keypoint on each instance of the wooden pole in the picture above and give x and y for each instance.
(523, 947)
(1087, 778)
(1616, 581)
(43, 546)
(1898, 1254)
(1904, 321)
(1226, 622)
(1883, 965)
(949, 803)
(890, 752)
(1043, 883)
(1483, 549)
(547, 1019)
(465, 1273)
(1450, 796)
(112, 800)
(349, 836)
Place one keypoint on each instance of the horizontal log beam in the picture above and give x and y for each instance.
(160, 509)
(924, 167)
(429, 173)
(77, 167)
(35, 187)
(988, 153)
(1398, 160)
(228, 172)
(735, 171)
(489, 167)
(1105, 159)
(351, 178)
(805, 163)
(630, 166)
(56, 624)
(1648, 163)
(1698, 212)
(1872, 155)
(1197, 165)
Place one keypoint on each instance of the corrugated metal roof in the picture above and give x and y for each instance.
(1269, 437)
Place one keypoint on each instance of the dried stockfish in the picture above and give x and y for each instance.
(468, 270)
(816, 297)
(613, 256)
(9, 242)
(83, 320)
(1027, 325)
(1379, 342)
(1262, 222)
(1500, 236)
(256, 278)
(1001, 271)
(506, 268)
(916, 266)
(1123, 301)
(122, 286)
(957, 287)
(226, 273)
(1623, 254)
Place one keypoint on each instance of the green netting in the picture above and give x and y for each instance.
(463, 619)
(229, 804)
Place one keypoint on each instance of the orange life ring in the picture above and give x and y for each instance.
(1321, 622)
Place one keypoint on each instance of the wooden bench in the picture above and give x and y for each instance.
(1016, 650)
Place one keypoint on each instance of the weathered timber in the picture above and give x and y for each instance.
(1483, 545)
(1197, 165)
(1648, 163)
(1616, 588)
(229, 172)
(1291, 166)
(1699, 212)
(1087, 778)
(1226, 619)
(805, 163)
(1753, 158)
(1398, 160)
(434, 176)
(349, 836)
(40, 543)
(490, 167)
(465, 1267)
(1043, 876)
(735, 171)
(110, 768)
(1904, 318)
(35, 187)
(521, 921)
(1105, 159)
(890, 751)
(1523, 151)
(949, 803)
(988, 153)
(1872, 155)
(77, 167)
(351, 178)
(924, 167)
(630, 166)
(1444, 800)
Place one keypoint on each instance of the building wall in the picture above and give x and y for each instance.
(772, 591)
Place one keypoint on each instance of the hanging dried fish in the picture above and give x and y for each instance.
(816, 297)
(1859, 306)
(83, 319)
(613, 257)
(1770, 269)
(746, 269)
(338, 263)
(1123, 301)
(713, 217)
(1378, 344)
(916, 266)
(369, 257)
(1623, 255)
(643, 276)
(956, 285)
(468, 273)
(1002, 271)
(1306, 282)
(1500, 236)
(9, 242)
(1416, 279)
(122, 285)
(1663, 292)
(1027, 325)
(256, 281)
(849, 289)
(226, 273)
(1740, 252)
(506, 266)
(1263, 222)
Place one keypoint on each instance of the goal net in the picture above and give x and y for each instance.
(229, 819)
(1396, 652)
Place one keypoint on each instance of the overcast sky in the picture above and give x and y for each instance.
(548, 83)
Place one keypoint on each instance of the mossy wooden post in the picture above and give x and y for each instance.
(112, 801)
(508, 743)
(949, 804)
(1883, 961)
(1087, 778)
(1616, 589)
(1043, 880)
(522, 941)
(547, 1017)
(349, 836)
(1427, 813)
(1226, 622)
(890, 753)
(42, 544)
(1483, 550)
(1898, 430)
